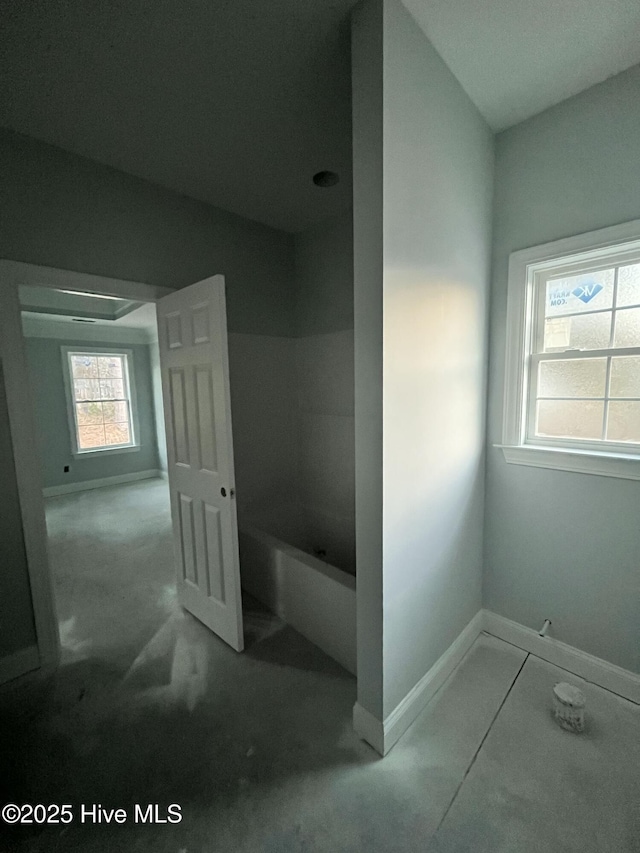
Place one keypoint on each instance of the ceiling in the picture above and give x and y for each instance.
(47, 300)
(234, 102)
(48, 305)
(515, 58)
(239, 102)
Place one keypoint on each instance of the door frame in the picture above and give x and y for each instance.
(22, 426)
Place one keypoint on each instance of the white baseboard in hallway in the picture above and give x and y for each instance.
(586, 666)
(383, 734)
(369, 728)
(86, 485)
(19, 663)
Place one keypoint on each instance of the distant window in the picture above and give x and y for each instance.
(573, 354)
(101, 400)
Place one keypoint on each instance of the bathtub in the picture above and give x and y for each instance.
(312, 596)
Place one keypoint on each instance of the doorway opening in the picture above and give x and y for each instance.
(131, 547)
(103, 404)
(94, 374)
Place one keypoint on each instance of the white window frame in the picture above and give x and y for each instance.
(526, 269)
(130, 389)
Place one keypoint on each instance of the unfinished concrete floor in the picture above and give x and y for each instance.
(111, 552)
(258, 748)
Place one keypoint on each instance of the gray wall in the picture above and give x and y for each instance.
(64, 211)
(437, 159)
(292, 401)
(325, 388)
(47, 385)
(560, 545)
(17, 630)
(263, 389)
(61, 210)
(324, 278)
(368, 168)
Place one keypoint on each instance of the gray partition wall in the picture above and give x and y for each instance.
(423, 171)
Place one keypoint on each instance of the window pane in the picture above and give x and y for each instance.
(115, 412)
(90, 436)
(117, 434)
(110, 366)
(589, 331)
(557, 333)
(623, 423)
(570, 419)
(89, 413)
(84, 366)
(629, 285)
(627, 332)
(625, 376)
(577, 293)
(102, 406)
(111, 389)
(572, 378)
(86, 389)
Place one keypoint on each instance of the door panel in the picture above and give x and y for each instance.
(212, 557)
(179, 416)
(187, 540)
(192, 332)
(208, 451)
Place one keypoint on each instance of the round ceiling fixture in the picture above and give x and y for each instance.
(325, 179)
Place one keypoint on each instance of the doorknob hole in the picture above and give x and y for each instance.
(223, 492)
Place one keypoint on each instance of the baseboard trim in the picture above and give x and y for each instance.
(595, 670)
(369, 728)
(87, 485)
(19, 663)
(383, 735)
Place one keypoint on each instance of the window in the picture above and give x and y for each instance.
(100, 399)
(572, 396)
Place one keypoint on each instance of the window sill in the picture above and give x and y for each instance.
(91, 454)
(578, 461)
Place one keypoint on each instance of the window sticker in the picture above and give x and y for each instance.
(585, 292)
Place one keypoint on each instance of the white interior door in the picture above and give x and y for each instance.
(192, 336)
